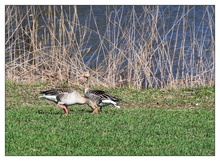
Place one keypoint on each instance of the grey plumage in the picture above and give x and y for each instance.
(99, 97)
(63, 97)
(102, 98)
(66, 96)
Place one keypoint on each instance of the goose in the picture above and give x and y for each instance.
(98, 97)
(65, 97)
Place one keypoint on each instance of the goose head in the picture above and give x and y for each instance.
(85, 74)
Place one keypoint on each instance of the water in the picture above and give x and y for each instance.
(199, 28)
(168, 13)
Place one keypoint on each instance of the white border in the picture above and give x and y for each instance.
(102, 2)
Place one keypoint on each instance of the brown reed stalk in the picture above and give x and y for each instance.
(136, 49)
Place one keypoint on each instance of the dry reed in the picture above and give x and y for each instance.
(146, 49)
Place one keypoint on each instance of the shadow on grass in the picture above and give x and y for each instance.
(71, 111)
(45, 112)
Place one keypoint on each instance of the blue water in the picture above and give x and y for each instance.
(96, 17)
(167, 14)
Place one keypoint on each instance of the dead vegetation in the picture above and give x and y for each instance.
(139, 50)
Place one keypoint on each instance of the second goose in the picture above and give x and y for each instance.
(98, 97)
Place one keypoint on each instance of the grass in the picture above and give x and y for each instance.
(150, 122)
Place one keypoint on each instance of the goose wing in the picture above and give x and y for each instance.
(57, 91)
(102, 95)
(57, 95)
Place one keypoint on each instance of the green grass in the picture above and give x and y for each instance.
(151, 122)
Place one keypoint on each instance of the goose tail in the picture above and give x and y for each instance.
(49, 97)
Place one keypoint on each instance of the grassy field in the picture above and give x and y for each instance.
(150, 122)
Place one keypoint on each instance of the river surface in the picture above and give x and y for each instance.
(200, 22)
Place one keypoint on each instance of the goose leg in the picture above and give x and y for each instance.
(64, 108)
